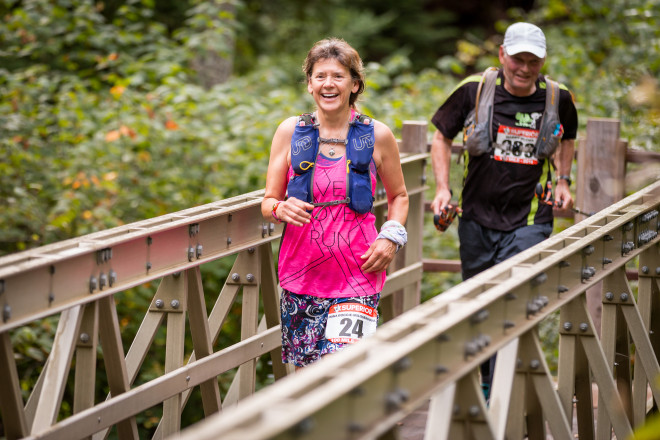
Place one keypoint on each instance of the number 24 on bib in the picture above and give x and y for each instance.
(350, 322)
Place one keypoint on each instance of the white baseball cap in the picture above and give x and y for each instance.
(524, 37)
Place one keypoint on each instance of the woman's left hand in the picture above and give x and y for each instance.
(379, 255)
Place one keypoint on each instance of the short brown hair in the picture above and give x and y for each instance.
(340, 50)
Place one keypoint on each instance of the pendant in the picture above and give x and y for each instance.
(331, 152)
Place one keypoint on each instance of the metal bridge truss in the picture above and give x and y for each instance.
(433, 351)
(80, 279)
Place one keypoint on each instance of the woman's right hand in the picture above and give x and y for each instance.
(294, 211)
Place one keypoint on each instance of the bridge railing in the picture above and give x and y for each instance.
(80, 280)
(433, 351)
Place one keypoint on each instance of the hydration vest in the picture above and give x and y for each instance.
(478, 132)
(359, 151)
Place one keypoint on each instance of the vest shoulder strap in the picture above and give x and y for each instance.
(485, 97)
(551, 98)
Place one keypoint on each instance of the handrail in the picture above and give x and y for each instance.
(433, 351)
(79, 279)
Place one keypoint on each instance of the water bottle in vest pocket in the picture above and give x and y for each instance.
(550, 136)
(300, 186)
(476, 137)
(359, 190)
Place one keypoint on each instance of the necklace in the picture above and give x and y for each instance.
(331, 152)
(333, 140)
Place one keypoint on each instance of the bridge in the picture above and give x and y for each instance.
(423, 354)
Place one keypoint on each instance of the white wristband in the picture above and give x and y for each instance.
(394, 232)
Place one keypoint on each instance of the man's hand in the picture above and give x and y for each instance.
(563, 197)
(441, 200)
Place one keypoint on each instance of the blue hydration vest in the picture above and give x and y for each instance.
(359, 151)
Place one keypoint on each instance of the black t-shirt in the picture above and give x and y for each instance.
(499, 187)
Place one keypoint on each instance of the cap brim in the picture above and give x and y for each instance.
(520, 48)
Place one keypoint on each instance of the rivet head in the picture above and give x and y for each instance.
(251, 250)
(191, 253)
(568, 325)
(609, 296)
(473, 411)
(84, 337)
(584, 326)
(235, 276)
(657, 270)
(112, 278)
(624, 297)
(198, 251)
(92, 284)
(175, 303)
(250, 277)
(534, 364)
(645, 269)
(6, 313)
(159, 303)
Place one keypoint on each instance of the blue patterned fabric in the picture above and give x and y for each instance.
(304, 319)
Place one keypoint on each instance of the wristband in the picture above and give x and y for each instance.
(395, 232)
(566, 178)
(274, 211)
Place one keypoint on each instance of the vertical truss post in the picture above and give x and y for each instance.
(113, 356)
(174, 294)
(576, 312)
(270, 295)
(616, 346)
(648, 300)
(201, 336)
(85, 376)
(501, 396)
(546, 404)
(58, 369)
(469, 412)
(251, 267)
(574, 377)
(11, 404)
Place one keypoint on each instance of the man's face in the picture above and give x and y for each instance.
(520, 72)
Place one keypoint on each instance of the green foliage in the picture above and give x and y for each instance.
(105, 121)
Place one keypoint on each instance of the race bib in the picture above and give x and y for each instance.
(516, 145)
(349, 322)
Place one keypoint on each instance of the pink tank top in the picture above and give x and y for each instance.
(322, 258)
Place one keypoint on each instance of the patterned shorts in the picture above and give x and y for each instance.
(304, 318)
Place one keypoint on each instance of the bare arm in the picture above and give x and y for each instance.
(292, 210)
(563, 159)
(440, 160)
(386, 155)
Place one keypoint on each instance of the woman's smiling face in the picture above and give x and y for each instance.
(331, 84)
